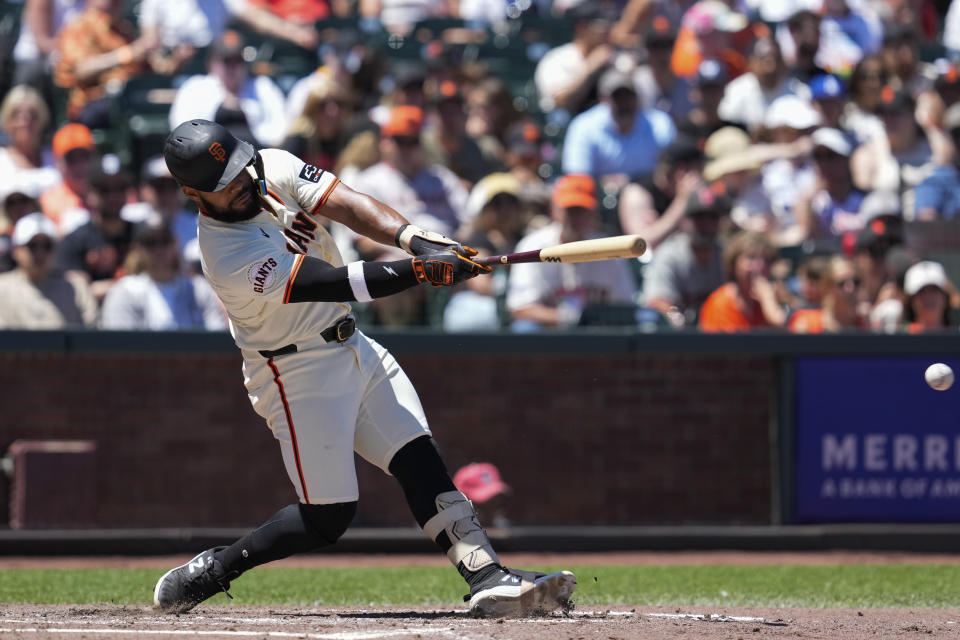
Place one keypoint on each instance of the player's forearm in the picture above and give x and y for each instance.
(319, 281)
(364, 214)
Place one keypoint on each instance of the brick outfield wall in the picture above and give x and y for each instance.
(611, 439)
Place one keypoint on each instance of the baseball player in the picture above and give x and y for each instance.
(324, 388)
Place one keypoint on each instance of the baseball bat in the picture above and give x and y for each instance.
(580, 251)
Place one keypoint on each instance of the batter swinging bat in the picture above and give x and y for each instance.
(581, 251)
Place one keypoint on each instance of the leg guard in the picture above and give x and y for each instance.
(458, 519)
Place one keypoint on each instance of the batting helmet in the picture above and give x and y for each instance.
(204, 155)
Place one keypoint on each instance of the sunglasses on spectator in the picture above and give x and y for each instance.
(824, 156)
(847, 283)
(156, 243)
(406, 141)
(37, 246)
(18, 200)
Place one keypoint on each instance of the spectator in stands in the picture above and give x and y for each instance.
(848, 35)
(96, 250)
(34, 295)
(938, 195)
(25, 160)
(96, 50)
(251, 107)
(657, 86)
(182, 25)
(654, 205)
(18, 201)
(829, 98)
(747, 98)
(928, 305)
(616, 139)
(866, 85)
(430, 196)
(155, 295)
(748, 299)
(706, 34)
(481, 483)
(317, 134)
(831, 209)
(789, 120)
(900, 56)
(804, 30)
(498, 218)
(73, 152)
(874, 243)
(734, 161)
(490, 114)
(40, 24)
(686, 268)
(566, 76)
(555, 294)
(524, 158)
(708, 89)
(446, 142)
(903, 157)
(811, 281)
(162, 203)
(838, 307)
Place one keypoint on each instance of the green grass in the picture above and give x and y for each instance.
(870, 586)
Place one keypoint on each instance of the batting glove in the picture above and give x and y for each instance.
(419, 242)
(445, 268)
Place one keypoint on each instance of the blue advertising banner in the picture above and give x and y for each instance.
(874, 443)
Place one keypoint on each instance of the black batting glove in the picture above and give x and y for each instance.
(446, 268)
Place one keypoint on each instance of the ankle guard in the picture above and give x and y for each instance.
(458, 519)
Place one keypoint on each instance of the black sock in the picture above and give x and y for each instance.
(476, 578)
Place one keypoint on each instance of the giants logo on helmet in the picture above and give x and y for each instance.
(261, 275)
(218, 152)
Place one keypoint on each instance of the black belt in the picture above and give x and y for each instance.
(339, 332)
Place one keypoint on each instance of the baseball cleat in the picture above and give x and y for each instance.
(184, 587)
(514, 594)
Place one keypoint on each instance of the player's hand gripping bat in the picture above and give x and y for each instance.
(581, 251)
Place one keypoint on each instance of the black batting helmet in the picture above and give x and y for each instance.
(204, 155)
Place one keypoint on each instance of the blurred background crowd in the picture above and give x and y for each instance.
(793, 164)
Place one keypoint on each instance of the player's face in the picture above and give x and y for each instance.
(236, 202)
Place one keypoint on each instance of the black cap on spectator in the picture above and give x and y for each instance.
(523, 139)
(895, 33)
(706, 202)
(877, 236)
(682, 150)
(590, 11)
(152, 233)
(107, 170)
(227, 47)
(894, 100)
(710, 73)
(660, 33)
(408, 76)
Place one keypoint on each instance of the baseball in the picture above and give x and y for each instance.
(939, 376)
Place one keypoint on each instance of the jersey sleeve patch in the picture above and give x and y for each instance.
(310, 173)
(263, 275)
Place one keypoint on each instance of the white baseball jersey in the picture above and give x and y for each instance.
(325, 401)
(251, 264)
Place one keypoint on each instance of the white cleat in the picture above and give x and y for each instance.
(523, 593)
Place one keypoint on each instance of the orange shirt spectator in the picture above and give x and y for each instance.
(706, 33)
(748, 300)
(95, 49)
(303, 11)
(73, 151)
(724, 311)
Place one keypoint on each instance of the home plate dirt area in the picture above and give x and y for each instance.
(114, 622)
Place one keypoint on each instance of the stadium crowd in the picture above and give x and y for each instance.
(792, 164)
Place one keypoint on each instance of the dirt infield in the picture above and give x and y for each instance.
(44, 622)
(387, 623)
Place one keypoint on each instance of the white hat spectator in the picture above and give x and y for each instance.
(924, 274)
(832, 139)
(880, 203)
(713, 15)
(30, 226)
(791, 111)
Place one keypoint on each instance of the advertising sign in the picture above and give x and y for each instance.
(874, 443)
